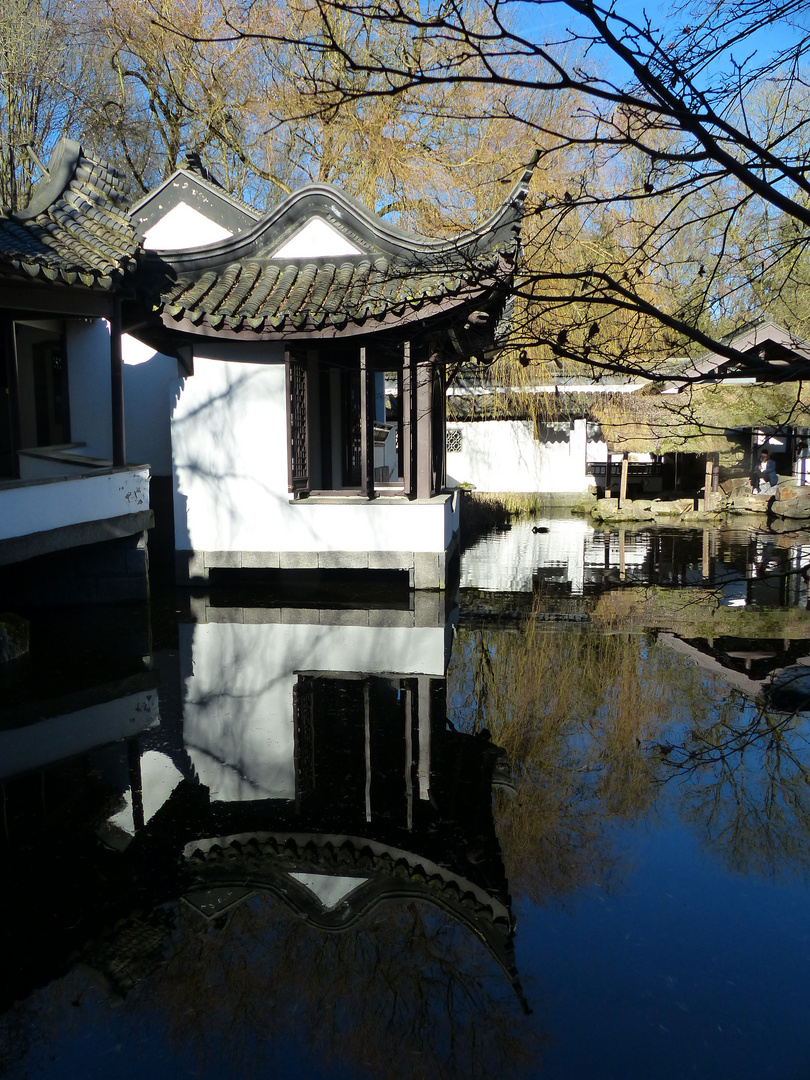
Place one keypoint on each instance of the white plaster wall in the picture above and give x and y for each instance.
(503, 455)
(229, 441)
(72, 501)
(238, 718)
(60, 737)
(88, 350)
(316, 239)
(148, 377)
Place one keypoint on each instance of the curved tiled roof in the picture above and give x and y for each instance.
(76, 230)
(239, 288)
(263, 296)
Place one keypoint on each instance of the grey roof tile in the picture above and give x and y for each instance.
(75, 230)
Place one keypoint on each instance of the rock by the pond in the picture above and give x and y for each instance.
(14, 637)
(747, 503)
(671, 507)
(631, 510)
(735, 486)
(711, 517)
(794, 506)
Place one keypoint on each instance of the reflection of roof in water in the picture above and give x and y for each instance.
(751, 666)
(286, 864)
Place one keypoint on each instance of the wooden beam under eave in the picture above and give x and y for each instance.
(55, 300)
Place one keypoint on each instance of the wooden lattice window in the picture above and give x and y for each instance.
(304, 713)
(297, 424)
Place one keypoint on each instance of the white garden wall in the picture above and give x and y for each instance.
(503, 455)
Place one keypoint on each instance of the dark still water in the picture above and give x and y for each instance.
(556, 825)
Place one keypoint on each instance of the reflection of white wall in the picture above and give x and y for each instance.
(506, 562)
(159, 778)
(238, 721)
(633, 550)
(61, 737)
(229, 442)
(503, 455)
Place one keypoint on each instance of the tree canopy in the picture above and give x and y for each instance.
(671, 198)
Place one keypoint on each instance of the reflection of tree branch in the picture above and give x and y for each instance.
(754, 813)
(398, 989)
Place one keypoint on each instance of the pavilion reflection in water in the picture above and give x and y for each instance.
(572, 558)
(734, 599)
(311, 759)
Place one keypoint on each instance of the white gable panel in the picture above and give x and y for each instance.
(329, 890)
(183, 227)
(315, 239)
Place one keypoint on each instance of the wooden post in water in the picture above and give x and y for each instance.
(711, 480)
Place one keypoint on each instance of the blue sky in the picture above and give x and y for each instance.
(546, 21)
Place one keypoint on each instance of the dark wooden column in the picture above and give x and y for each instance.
(424, 428)
(119, 449)
(13, 384)
(409, 420)
(366, 427)
(438, 405)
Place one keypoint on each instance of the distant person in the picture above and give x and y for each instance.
(764, 478)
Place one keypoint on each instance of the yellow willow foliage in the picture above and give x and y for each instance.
(576, 713)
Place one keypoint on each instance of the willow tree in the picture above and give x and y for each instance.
(679, 148)
(38, 69)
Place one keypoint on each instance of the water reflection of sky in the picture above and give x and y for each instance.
(310, 859)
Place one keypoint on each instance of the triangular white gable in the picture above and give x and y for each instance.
(183, 227)
(316, 239)
(329, 890)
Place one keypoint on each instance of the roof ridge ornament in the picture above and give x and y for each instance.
(61, 168)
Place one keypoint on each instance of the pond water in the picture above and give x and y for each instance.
(555, 824)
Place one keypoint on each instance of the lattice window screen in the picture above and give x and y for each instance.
(297, 391)
(454, 440)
